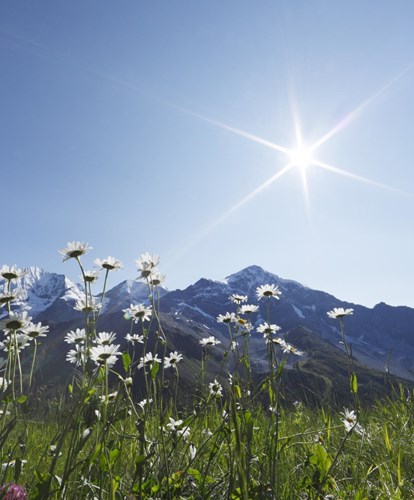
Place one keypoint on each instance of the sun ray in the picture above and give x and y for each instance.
(356, 177)
(240, 132)
(350, 117)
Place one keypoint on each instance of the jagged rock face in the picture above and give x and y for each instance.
(381, 336)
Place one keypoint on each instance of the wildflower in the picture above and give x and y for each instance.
(34, 331)
(4, 384)
(215, 389)
(77, 355)
(209, 341)
(268, 291)
(174, 425)
(156, 278)
(193, 451)
(339, 312)
(139, 339)
(148, 359)
(287, 348)
(226, 318)
(127, 381)
(137, 312)
(237, 299)
(87, 304)
(248, 309)
(74, 250)
(90, 276)
(12, 295)
(268, 329)
(15, 343)
(13, 491)
(11, 272)
(11, 464)
(145, 402)
(109, 397)
(15, 321)
(105, 354)
(147, 263)
(350, 421)
(110, 263)
(76, 337)
(172, 360)
(105, 338)
(86, 433)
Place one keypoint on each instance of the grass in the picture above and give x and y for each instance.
(236, 437)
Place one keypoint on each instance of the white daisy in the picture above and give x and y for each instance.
(148, 360)
(109, 264)
(172, 360)
(87, 305)
(90, 276)
(350, 421)
(237, 299)
(209, 341)
(339, 312)
(137, 312)
(216, 388)
(10, 296)
(15, 343)
(268, 329)
(11, 272)
(15, 321)
(105, 354)
(248, 309)
(268, 291)
(139, 339)
(34, 331)
(77, 355)
(105, 338)
(76, 337)
(147, 263)
(156, 278)
(226, 318)
(74, 250)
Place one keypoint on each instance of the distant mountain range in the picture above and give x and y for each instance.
(382, 338)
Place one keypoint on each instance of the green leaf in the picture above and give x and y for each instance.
(354, 383)
(154, 370)
(126, 360)
(21, 399)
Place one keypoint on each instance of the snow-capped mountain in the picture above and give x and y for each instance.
(382, 338)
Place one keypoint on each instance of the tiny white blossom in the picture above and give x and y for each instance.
(139, 339)
(339, 312)
(10, 273)
(87, 305)
(248, 309)
(34, 331)
(147, 263)
(350, 421)
(90, 276)
(76, 337)
(209, 341)
(215, 388)
(105, 354)
(137, 312)
(268, 291)
(77, 355)
(226, 318)
(74, 250)
(148, 359)
(172, 360)
(15, 321)
(237, 299)
(109, 264)
(105, 338)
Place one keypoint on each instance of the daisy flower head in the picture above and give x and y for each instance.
(248, 309)
(289, 349)
(147, 263)
(15, 343)
(4, 384)
(209, 341)
(11, 272)
(137, 312)
(268, 329)
(139, 339)
(90, 276)
(268, 291)
(16, 321)
(10, 296)
(237, 299)
(105, 338)
(77, 356)
(148, 360)
(87, 305)
(105, 354)
(350, 421)
(74, 250)
(339, 313)
(226, 318)
(156, 278)
(145, 403)
(172, 360)
(215, 389)
(34, 331)
(76, 337)
(109, 264)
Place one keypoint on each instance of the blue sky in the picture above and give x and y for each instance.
(141, 126)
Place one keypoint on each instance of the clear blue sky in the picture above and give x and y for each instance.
(105, 138)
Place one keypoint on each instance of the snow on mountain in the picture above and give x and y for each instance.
(42, 289)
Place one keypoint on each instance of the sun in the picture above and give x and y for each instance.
(301, 157)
